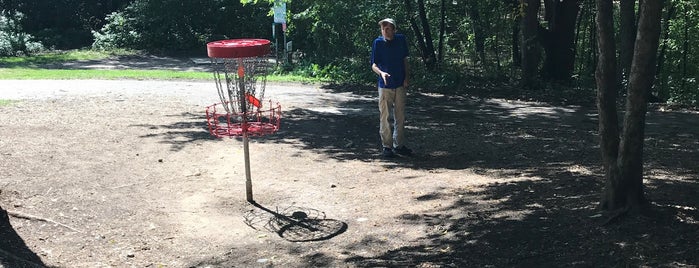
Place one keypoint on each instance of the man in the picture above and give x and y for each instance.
(389, 60)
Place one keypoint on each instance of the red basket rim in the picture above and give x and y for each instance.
(238, 48)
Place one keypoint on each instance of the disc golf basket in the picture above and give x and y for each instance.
(240, 67)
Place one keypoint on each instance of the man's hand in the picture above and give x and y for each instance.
(385, 76)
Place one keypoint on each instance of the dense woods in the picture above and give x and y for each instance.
(527, 41)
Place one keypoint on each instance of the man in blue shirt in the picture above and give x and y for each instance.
(389, 60)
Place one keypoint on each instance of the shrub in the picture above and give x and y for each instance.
(13, 40)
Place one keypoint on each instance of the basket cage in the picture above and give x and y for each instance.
(242, 109)
(241, 82)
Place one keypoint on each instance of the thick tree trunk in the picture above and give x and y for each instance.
(559, 39)
(605, 76)
(516, 40)
(530, 45)
(626, 190)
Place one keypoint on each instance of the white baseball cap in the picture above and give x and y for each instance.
(389, 20)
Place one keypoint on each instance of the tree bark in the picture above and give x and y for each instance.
(530, 45)
(424, 37)
(442, 30)
(429, 45)
(416, 29)
(627, 36)
(605, 76)
(626, 190)
(558, 40)
(662, 92)
(476, 25)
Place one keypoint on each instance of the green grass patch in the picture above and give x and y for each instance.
(60, 56)
(60, 74)
(29, 68)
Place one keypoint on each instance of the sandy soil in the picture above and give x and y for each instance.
(125, 174)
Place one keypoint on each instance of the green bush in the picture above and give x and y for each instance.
(13, 40)
(180, 26)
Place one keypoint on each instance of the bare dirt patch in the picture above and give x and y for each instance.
(125, 174)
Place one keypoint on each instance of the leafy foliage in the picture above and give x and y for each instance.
(169, 25)
(13, 40)
(331, 39)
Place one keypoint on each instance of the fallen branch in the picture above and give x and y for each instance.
(21, 215)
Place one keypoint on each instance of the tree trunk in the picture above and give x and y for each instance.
(662, 89)
(416, 29)
(685, 51)
(431, 57)
(626, 190)
(627, 36)
(559, 39)
(605, 76)
(424, 37)
(530, 44)
(442, 30)
(516, 40)
(516, 51)
(476, 25)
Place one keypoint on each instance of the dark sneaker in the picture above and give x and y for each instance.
(387, 152)
(403, 151)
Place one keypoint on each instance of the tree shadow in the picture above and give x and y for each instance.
(551, 222)
(190, 128)
(453, 132)
(545, 213)
(13, 251)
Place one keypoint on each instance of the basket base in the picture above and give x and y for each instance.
(237, 129)
(258, 123)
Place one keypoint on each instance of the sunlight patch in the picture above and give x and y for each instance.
(578, 169)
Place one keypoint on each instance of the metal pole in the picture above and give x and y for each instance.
(244, 120)
(248, 180)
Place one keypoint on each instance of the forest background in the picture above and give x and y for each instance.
(453, 43)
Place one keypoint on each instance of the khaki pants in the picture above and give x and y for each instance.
(392, 101)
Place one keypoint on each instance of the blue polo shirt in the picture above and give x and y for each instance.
(389, 56)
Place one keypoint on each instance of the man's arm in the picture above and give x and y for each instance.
(382, 74)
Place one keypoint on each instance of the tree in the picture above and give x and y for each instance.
(424, 35)
(530, 48)
(623, 158)
(627, 36)
(559, 38)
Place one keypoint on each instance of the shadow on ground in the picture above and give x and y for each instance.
(13, 251)
(547, 220)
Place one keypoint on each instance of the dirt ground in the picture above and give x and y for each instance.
(125, 174)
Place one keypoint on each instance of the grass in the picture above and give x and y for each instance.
(61, 56)
(27, 68)
(42, 74)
